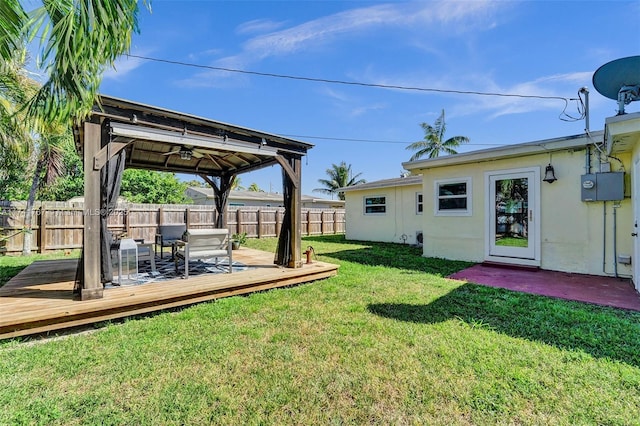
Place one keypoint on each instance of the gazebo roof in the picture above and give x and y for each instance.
(153, 138)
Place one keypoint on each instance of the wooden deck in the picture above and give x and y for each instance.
(39, 299)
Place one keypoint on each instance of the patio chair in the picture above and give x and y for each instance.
(167, 235)
(203, 244)
(146, 253)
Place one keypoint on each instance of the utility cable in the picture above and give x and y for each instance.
(351, 83)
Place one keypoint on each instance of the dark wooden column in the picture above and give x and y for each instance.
(221, 196)
(296, 216)
(291, 256)
(92, 287)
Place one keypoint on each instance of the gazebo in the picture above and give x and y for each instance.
(121, 134)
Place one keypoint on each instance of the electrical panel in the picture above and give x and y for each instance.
(603, 186)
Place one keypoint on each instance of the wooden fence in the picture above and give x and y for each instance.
(59, 225)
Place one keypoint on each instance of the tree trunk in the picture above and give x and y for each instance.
(28, 214)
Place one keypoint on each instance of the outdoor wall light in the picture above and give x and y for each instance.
(549, 174)
(185, 153)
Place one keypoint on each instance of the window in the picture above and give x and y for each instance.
(453, 197)
(418, 202)
(375, 205)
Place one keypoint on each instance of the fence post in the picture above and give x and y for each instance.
(335, 221)
(42, 229)
(127, 228)
(323, 223)
(259, 223)
(239, 220)
(187, 217)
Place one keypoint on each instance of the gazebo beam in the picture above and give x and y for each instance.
(295, 177)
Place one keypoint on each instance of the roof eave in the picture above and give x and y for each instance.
(386, 183)
(509, 151)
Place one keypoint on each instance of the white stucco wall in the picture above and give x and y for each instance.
(571, 231)
(400, 218)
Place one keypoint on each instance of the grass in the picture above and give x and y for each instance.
(10, 266)
(387, 341)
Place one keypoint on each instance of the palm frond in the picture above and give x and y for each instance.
(12, 23)
(81, 39)
(433, 142)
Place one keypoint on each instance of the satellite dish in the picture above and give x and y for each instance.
(619, 80)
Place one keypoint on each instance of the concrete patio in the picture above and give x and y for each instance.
(599, 290)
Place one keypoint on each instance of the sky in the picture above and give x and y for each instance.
(530, 48)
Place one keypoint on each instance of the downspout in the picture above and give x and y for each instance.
(615, 245)
(604, 237)
(585, 92)
(587, 165)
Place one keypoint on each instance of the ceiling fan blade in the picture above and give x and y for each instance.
(172, 152)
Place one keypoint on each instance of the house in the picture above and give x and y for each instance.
(504, 205)
(205, 196)
(567, 204)
(387, 210)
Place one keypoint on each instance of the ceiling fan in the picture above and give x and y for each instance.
(186, 152)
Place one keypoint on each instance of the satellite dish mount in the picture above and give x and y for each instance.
(619, 80)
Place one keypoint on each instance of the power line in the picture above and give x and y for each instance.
(350, 83)
(374, 140)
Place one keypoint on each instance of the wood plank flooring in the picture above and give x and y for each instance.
(40, 298)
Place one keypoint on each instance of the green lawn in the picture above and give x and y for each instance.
(11, 265)
(387, 341)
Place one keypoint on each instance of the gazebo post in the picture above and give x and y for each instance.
(296, 216)
(92, 287)
(292, 255)
(221, 196)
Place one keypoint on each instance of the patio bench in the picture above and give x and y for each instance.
(203, 244)
(167, 235)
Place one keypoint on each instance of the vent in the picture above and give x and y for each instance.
(419, 238)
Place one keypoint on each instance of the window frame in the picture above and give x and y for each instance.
(364, 205)
(452, 212)
(419, 203)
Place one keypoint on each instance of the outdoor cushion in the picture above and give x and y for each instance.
(203, 244)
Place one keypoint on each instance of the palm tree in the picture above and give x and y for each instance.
(236, 184)
(254, 188)
(340, 176)
(434, 143)
(79, 40)
(42, 151)
(15, 138)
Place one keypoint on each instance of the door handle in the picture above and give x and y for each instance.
(530, 215)
(634, 234)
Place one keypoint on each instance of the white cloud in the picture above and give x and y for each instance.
(258, 26)
(330, 29)
(356, 112)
